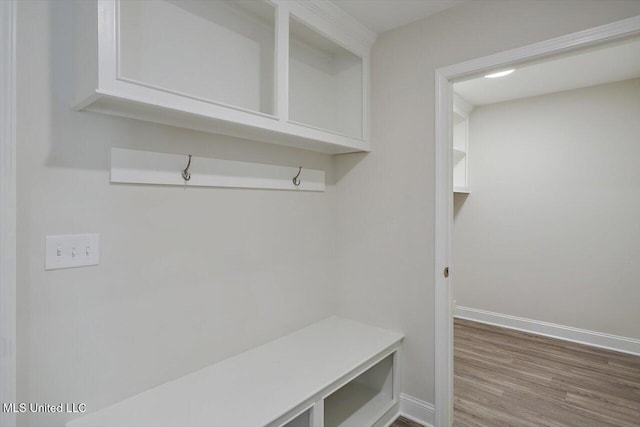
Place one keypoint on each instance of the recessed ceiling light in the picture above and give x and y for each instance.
(499, 74)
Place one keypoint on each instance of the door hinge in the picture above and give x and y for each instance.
(446, 272)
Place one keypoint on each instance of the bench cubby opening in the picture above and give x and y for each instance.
(364, 399)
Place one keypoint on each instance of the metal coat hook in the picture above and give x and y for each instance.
(185, 173)
(295, 180)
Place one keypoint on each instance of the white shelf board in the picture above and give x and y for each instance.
(355, 405)
(464, 190)
(145, 167)
(256, 387)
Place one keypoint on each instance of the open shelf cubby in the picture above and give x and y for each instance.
(325, 83)
(361, 401)
(302, 420)
(219, 51)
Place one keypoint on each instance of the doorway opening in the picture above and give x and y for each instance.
(445, 158)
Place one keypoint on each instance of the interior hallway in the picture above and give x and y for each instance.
(510, 378)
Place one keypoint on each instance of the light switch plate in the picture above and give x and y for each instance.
(71, 250)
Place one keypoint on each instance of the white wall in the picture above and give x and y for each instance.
(386, 199)
(187, 276)
(550, 231)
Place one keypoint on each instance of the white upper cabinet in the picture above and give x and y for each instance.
(286, 72)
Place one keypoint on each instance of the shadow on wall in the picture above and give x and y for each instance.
(81, 140)
(458, 202)
(347, 163)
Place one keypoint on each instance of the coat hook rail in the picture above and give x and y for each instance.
(296, 180)
(185, 173)
(146, 167)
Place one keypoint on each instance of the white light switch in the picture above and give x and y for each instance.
(72, 250)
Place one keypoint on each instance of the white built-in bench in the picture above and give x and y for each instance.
(336, 372)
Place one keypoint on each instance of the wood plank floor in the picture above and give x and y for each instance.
(403, 422)
(510, 378)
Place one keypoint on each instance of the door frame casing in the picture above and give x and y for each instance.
(8, 20)
(444, 79)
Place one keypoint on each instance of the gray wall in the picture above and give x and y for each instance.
(386, 199)
(187, 276)
(551, 230)
(244, 266)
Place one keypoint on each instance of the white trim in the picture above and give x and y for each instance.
(553, 330)
(417, 410)
(317, 413)
(365, 129)
(578, 40)
(282, 62)
(8, 208)
(444, 170)
(443, 233)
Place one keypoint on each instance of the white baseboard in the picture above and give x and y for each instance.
(417, 410)
(567, 333)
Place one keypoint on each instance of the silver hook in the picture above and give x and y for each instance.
(185, 173)
(295, 180)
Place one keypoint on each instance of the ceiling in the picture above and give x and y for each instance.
(620, 61)
(383, 15)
